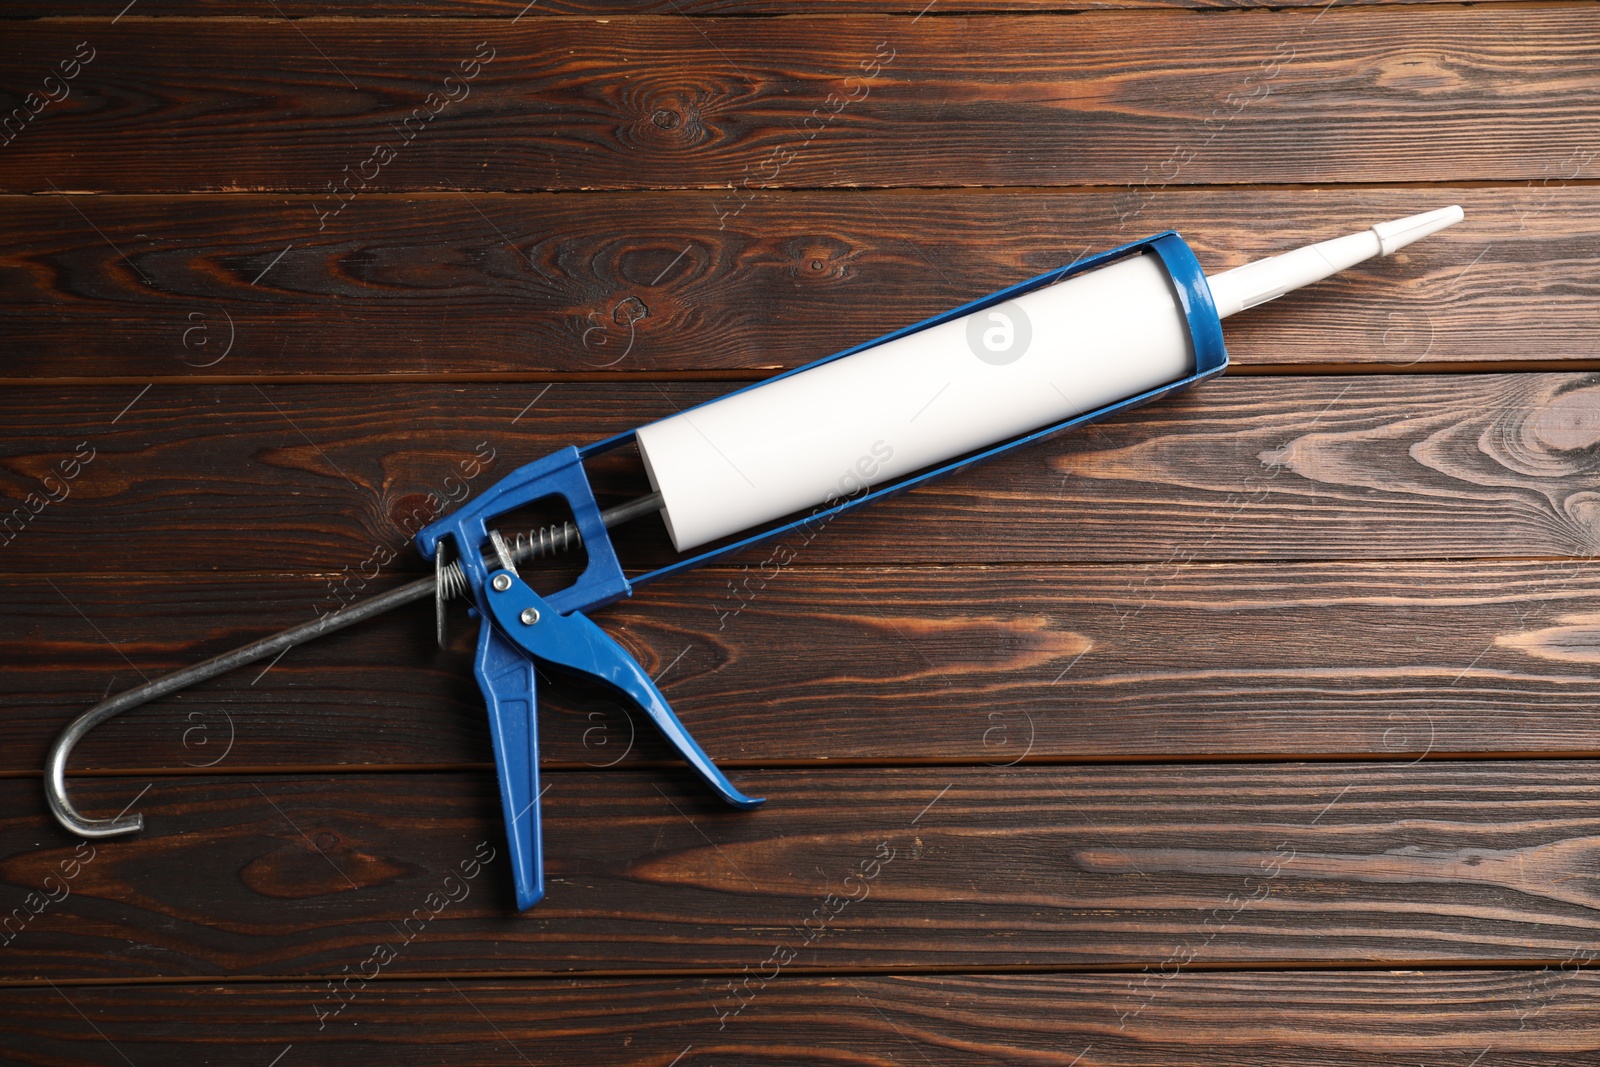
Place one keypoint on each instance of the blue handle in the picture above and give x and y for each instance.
(506, 677)
(564, 637)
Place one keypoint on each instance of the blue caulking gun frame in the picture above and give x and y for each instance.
(521, 628)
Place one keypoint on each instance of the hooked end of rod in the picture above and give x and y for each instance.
(55, 783)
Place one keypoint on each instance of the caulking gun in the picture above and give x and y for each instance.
(1073, 345)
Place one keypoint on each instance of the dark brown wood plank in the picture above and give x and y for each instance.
(1277, 1018)
(140, 287)
(991, 665)
(318, 478)
(519, 9)
(955, 868)
(1150, 98)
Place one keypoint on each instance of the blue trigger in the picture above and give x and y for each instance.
(525, 628)
(574, 643)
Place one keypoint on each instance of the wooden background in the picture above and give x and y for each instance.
(1254, 727)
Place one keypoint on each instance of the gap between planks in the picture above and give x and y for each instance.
(1532, 963)
(691, 191)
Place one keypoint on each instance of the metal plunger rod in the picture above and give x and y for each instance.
(555, 539)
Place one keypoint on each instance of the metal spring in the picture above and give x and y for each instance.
(535, 544)
(545, 541)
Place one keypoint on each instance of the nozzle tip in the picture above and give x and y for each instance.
(1267, 279)
(1395, 235)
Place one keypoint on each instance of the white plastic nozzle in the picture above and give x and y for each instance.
(1267, 279)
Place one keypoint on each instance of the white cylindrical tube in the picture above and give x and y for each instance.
(832, 431)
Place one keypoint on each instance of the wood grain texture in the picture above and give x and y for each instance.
(952, 868)
(516, 10)
(1276, 1018)
(984, 665)
(1254, 727)
(308, 478)
(1149, 98)
(139, 288)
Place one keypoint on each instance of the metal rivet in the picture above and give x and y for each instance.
(530, 616)
(501, 583)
